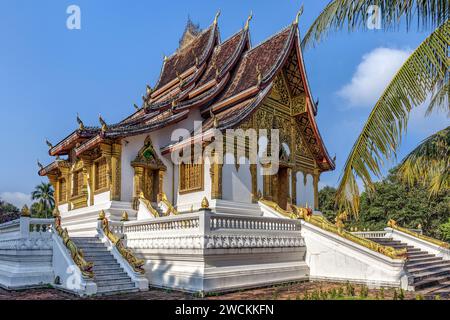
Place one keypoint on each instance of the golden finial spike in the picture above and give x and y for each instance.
(25, 212)
(299, 13)
(40, 165)
(124, 216)
(148, 90)
(101, 215)
(165, 58)
(216, 18)
(80, 122)
(247, 23)
(48, 143)
(136, 106)
(103, 123)
(205, 203)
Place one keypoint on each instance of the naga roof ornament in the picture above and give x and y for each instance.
(299, 13)
(103, 123)
(80, 122)
(216, 18)
(247, 23)
(49, 144)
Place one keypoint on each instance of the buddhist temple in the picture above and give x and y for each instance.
(207, 85)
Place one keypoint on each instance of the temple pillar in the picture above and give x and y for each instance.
(253, 172)
(161, 174)
(216, 178)
(316, 179)
(294, 187)
(116, 151)
(138, 181)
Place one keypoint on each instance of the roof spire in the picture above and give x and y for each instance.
(299, 13)
(40, 165)
(165, 58)
(103, 123)
(214, 118)
(148, 89)
(216, 17)
(247, 23)
(80, 122)
(49, 144)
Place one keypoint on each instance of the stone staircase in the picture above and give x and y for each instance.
(109, 276)
(431, 274)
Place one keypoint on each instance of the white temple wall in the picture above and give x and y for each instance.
(192, 200)
(102, 197)
(160, 138)
(305, 192)
(236, 184)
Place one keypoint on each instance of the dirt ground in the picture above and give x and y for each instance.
(291, 291)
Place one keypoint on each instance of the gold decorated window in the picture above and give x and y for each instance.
(77, 183)
(100, 174)
(191, 177)
(62, 192)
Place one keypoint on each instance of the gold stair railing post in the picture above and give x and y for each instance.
(76, 253)
(393, 224)
(127, 254)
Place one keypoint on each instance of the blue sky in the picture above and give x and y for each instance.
(49, 73)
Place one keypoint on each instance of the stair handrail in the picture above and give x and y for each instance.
(76, 253)
(170, 207)
(136, 263)
(148, 205)
(323, 223)
(273, 205)
(393, 224)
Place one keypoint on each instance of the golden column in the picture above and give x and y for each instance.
(88, 179)
(161, 174)
(316, 179)
(116, 151)
(253, 172)
(294, 187)
(216, 177)
(138, 181)
(53, 179)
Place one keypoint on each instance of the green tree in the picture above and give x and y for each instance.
(425, 71)
(44, 195)
(8, 211)
(327, 203)
(410, 206)
(445, 230)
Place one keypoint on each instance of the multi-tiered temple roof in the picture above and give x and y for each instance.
(226, 80)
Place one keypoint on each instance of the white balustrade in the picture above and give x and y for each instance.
(370, 234)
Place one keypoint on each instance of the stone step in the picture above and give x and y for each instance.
(96, 254)
(419, 276)
(111, 275)
(425, 263)
(422, 259)
(429, 268)
(415, 255)
(116, 291)
(429, 282)
(443, 287)
(102, 258)
(114, 282)
(107, 267)
(115, 288)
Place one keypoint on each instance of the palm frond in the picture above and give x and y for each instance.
(355, 13)
(429, 163)
(381, 134)
(441, 97)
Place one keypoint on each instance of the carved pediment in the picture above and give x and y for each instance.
(147, 156)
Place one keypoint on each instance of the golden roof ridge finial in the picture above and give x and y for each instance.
(40, 165)
(299, 13)
(148, 89)
(136, 106)
(216, 18)
(165, 58)
(247, 23)
(80, 122)
(103, 123)
(49, 144)
(214, 118)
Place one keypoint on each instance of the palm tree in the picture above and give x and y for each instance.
(43, 193)
(429, 163)
(425, 71)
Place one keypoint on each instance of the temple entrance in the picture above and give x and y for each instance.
(151, 184)
(281, 187)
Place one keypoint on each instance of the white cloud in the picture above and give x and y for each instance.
(372, 75)
(18, 199)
